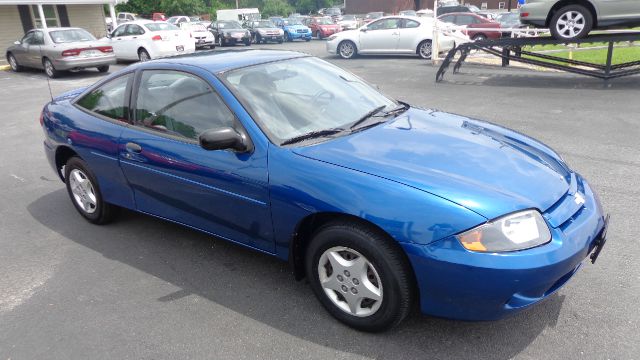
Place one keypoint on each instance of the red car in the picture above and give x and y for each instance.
(322, 27)
(471, 20)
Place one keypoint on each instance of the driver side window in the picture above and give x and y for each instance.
(27, 38)
(384, 24)
(120, 31)
(179, 104)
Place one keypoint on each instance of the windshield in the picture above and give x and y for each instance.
(73, 35)
(198, 27)
(158, 26)
(325, 21)
(229, 25)
(408, 13)
(264, 24)
(294, 22)
(294, 97)
(348, 18)
(374, 15)
(173, 19)
(332, 11)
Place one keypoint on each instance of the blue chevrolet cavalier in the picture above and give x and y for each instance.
(380, 205)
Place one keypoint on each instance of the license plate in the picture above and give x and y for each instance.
(180, 48)
(90, 53)
(600, 242)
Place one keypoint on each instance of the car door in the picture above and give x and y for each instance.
(618, 9)
(119, 42)
(410, 32)
(221, 192)
(133, 39)
(34, 53)
(21, 51)
(99, 117)
(380, 36)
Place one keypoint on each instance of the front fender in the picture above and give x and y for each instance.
(301, 186)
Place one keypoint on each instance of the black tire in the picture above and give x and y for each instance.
(281, 41)
(258, 39)
(247, 42)
(289, 38)
(347, 49)
(565, 33)
(49, 69)
(143, 55)
(319, 35)
(307, 39)
(13, 62)
(103, 212)
(385, 256)
(424, 49)
(103, 69)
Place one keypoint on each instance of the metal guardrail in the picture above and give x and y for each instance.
(511, 49)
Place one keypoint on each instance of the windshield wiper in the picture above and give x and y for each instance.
(312, 135)
(366, 116)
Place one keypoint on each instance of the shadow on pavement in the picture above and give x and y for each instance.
(262, 288)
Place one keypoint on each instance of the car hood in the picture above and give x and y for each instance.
(296, 27)
(483, 167)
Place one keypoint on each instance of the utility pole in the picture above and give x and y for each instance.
(238, 7)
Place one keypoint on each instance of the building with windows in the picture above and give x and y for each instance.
(19, 16)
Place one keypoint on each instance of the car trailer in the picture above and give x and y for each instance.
(511, 49)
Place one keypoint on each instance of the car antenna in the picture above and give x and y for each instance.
(49, 86)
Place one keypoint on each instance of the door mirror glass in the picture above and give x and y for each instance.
(223, 139)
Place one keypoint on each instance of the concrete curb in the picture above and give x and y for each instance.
(5, 67)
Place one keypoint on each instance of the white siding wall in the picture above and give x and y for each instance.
(10, 28)
(88, 17)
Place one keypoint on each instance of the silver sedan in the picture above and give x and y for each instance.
(59, 49)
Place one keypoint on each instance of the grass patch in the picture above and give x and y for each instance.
(595, 56)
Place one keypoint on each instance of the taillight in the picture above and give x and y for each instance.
(105, 49)
(524, 14)
(156, 38)
(71, 52)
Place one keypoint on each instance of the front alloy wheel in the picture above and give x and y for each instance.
(350, 281)
(424, 49)
(347, 49)
(14, 63)
(85, 194)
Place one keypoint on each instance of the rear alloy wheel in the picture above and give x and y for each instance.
(347, 49)
(360, 276)
(14, 63)
(85, 194)
(49, 69)
(143, 55)
(424, 49)
(571, 22)
(103, 69)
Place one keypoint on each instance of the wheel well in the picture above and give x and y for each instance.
(63, 154)
(310, 224)
(563, 3)
(142, 48)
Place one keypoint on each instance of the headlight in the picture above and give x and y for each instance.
(517, 231)
(332, 37)
(280, 31)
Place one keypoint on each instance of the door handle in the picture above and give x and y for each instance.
(133, 148)
(135, 37)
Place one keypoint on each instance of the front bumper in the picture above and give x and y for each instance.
(78, 62)
(296, 35)
(456, 283)
(537, 13)
(332, 46)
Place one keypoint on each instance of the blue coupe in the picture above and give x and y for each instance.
(380, 205)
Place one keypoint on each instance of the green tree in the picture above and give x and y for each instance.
(310, 6)
(275, 8)
(140, 6)
(183, 7)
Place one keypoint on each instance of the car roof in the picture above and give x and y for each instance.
(221, 61)
(57, 29)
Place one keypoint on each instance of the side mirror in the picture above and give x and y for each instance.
(17, 42)
(364, 29)
(224, 138)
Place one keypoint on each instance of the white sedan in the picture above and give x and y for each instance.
(144, 40)
(389, 35)
(200, 34)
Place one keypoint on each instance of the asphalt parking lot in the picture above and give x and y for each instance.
(145, 288)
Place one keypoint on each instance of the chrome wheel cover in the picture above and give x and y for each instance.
(144, 56)
(570, 24)
(48, 68)
(350, 281)
(83, 192)
(346, 50)
(425, 50)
